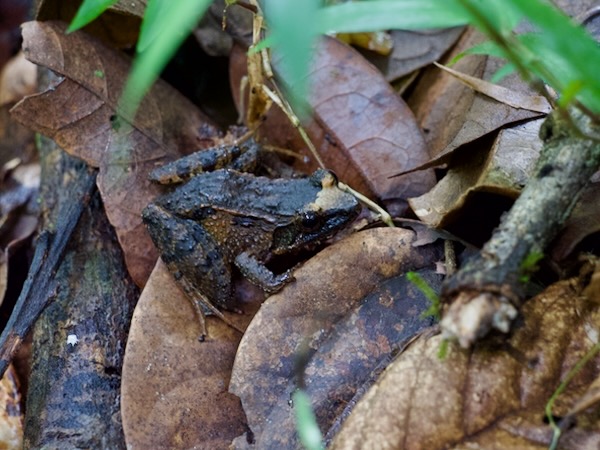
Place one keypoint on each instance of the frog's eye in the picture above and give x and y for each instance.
(310, 220)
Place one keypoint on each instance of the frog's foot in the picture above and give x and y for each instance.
(260, 275)
(201, 304)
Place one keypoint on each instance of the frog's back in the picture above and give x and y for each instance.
(243, 194)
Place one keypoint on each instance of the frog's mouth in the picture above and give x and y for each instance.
(310, 231)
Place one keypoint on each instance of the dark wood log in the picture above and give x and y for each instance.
(79, 340)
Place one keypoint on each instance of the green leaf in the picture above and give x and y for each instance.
(353, 17)
(485, 48)
(428, 292)
(492, 15)
(179, 20)
(88, 11)
(561, 53)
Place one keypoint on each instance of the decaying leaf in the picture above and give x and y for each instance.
(492, 396)
(174, 388)
(351, 307)
(413, 49)
(79, 114)
(18, 214)
(440, 102)
(17, 79)
(584, 222)
(119, 25)
(503, 170)
(362, 129)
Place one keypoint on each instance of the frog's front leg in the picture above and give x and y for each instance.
(259, 274)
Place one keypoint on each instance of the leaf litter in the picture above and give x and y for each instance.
(492, 395)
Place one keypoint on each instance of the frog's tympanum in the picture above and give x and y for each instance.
(225, 217)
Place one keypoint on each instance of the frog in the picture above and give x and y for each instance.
(223, 217)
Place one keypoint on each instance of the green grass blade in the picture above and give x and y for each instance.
(352, 17)
(293, 30)
(88, 11)
(153, 24)
(179, 20)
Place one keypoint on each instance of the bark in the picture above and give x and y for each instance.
(488, 290)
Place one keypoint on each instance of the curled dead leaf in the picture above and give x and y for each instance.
(583, 223)
(454, 115)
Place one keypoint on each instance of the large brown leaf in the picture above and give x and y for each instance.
(79, 114)
(174, 388)
(352, 307)
(362, 129)
(490, 397)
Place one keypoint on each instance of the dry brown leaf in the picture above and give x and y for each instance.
(17, 79)
(583, 222)
(490, 397)
(11, 413)
(453, 117)
(503, 170)
(362, 129)
(174, 388)
(352, 305)
(119, 26)
(440, 101)
(413, 50)
(79, 114)
(516, 99)
(18, 214)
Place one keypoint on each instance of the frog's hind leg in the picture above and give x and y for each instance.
(243, 157)
(195, 260)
